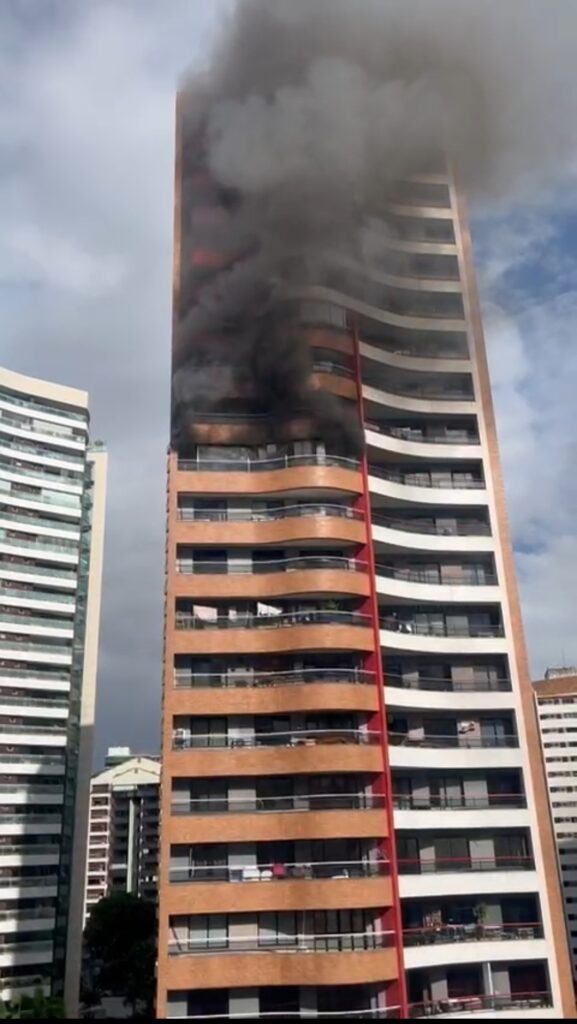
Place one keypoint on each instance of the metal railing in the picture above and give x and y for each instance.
(316, 616)
(296, 738)
(464, 528)
(39, 453)
(482, 1003)
(372, 1013)
(32, 702)
(64, 500)
(445, 685)
(278, 872)
(34, 595)
(481, 932)
(225, 568)
(25, 620)
(33, 850)
(38, 676)
(461, 741)
(491, 801)
(9, 645)
(18, 568)
(56, 759)
(34, 521)
(29, 883)
(251, 465)
(32, 819)
(63, 476)
(34, 730)
(439, 576)
(328, 366)
(423, 480)
(440, 628)
(265, 804)
(322, 942)
(441, 865)
(291, 677)
(39, 543)
(238, 515)
(418, 436)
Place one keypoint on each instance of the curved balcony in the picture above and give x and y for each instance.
(450, 933)
(290, 473)
(287, 577)
(287, 524)
(292, 886)
(315, 942)
(527, 1003)
(333, 376)
(425, 488)
(292, 631)
(465, 535)
(472, 586)
(388, 438)
(441, 637)
(493, 811)
(436, 693)
(404, 319)
(305, 965)
(417, 359)
(454, 751)
(272, 692)
(466, 876)
(295, 753)
(456, 403)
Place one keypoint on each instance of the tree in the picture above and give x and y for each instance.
(120, 938)
(36, 1007)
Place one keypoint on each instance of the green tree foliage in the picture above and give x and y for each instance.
(36, 1007)
(120, 939)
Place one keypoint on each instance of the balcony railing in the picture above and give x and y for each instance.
(428, 936)
(465, 528)
(292, 677)
(296, 738)
(268, 804)
(442, 684)
(315, 616)
(248, 515)
(33, 850)
(39, 544)
(34, 521)
(25, 620)
(418, 436)
(255, 465)
(64, 500)
(310, 562)
(424, 480)
(32, 819)
(63, 476)
(56, 759)
(39, 676)
(329, 366)
(279, 872)
(325, 942)
(443, 865)
(41, 453)
(491, 801)
(372, 1013)
(461, 741)
(32, 702)
(482, 1003)
(447, 629)
(16, 645)
(28, 883)
(34, 730)
(428, 393)
(34, 570)
(440, 576)
(6, 593)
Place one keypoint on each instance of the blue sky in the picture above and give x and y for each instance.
(86, 151)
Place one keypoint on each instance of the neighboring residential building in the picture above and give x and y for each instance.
(556, 697)
(123, 828)
(353, 817)
(52, 490)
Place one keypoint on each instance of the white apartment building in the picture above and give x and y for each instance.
(52, 487)
(123, 829)
(556, 697)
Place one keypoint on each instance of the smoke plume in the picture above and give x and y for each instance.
(310, 113)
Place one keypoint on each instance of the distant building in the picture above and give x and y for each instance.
(123, 828)
(52, 489)
(556, 697)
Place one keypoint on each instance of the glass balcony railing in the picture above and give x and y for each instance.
(27, 883)
(43, 759)
(418, 436)
(518, 862)
(445, 482)
(42, 452)
(482, 1004)
(250, 465)
(33, 521)
(441, 576)
(461, 742)
(65, 477)
(18, 645)
(25, 621)
(34, 850)
(257, 515)
(40, 543)
(441, 629)
(39, 676)
(459, 528)
(34, 730)
(447, 685)
(427, 936)
(274, 804)
(329, 942)
(69, 502)
(10, 593)
(26, 569)
(279, 872)
(314, 616)
(296, 738)
(32, 702)
(491, 801)
(305, 562)
(291, 677)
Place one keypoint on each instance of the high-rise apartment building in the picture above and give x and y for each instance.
(353, 818)
(123, 828)
(52, 485)
(556, 697)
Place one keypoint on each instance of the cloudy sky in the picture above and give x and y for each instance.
(86, 154)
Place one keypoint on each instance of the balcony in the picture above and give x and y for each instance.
(257, 567)
(287, 524)
(274, 804)
(443, 684)
(296, 738)
(460, 741)
(486, 1005)
(395, 624)
(492, 801)
(458, 528)
(329, 942)
(414, 435)
(256, 465)
(265, 680)
(231, 515)
(303, 871)
(451, 865)
(441, 582)
(427, 936)
(447, 481)
(309, 574)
